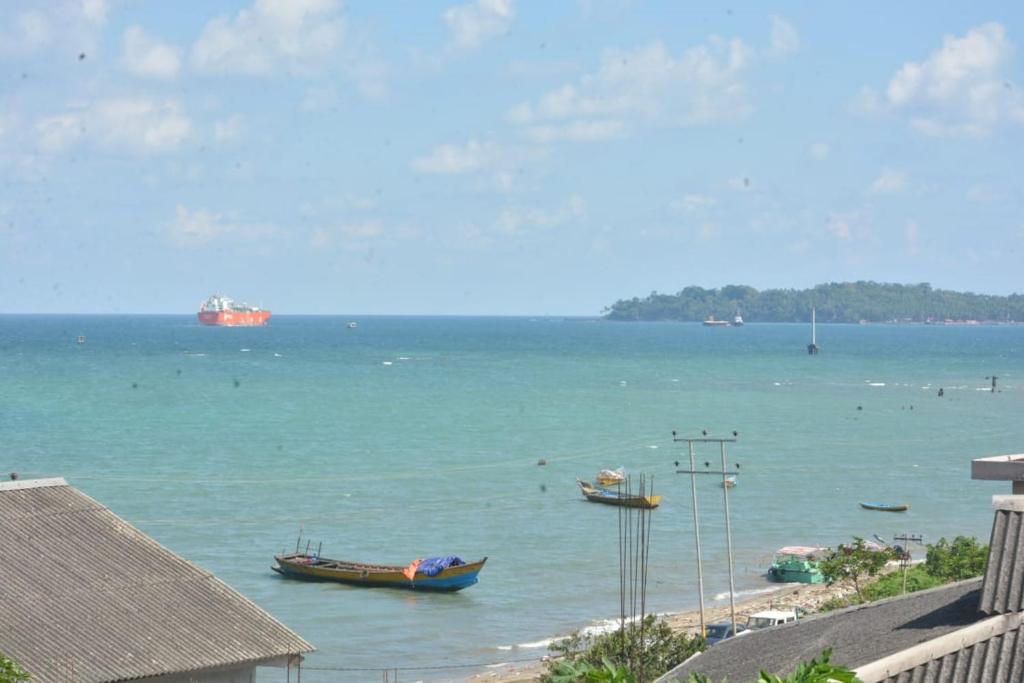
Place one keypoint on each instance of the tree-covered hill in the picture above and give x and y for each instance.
(840, 302)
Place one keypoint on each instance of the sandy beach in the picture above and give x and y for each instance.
(807, 597)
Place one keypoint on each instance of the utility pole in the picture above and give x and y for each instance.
(905, 557)
(696, 524)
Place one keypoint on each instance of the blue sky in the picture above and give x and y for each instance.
(498, 156)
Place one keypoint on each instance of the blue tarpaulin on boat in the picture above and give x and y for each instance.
(432, 566)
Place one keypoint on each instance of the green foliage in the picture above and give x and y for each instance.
(961, 559)
(918, 579)
(838, 302)
(818, 670)
(10, 672)
(855, 562)
(567, 672)
(645, 652)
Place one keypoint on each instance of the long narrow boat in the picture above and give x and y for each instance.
(313, 568)
(598, 495)
(885, 507)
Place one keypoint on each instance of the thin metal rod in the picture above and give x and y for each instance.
(728, 545)
(709, 439)
(696, 536)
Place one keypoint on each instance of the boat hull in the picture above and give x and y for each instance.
(786, 575)
(882, 507)
(605, 497)
(311, 568)
(234, 318)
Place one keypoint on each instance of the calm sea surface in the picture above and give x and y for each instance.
(410, 437)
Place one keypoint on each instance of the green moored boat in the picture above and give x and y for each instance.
(797, 564)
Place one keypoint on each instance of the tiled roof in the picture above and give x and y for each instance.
(1003, 590)
(87, 595)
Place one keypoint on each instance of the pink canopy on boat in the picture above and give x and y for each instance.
(800, 550)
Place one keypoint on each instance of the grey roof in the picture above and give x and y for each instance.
(82, 591)
(857, 635)
(1004, 577)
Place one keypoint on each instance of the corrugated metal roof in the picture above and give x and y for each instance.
(85, 592)
(999, 659)
(1003, 590)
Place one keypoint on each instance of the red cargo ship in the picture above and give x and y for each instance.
(220, 310)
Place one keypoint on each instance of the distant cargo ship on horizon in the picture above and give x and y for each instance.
(222, 311)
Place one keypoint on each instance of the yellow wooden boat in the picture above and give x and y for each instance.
(596, 494)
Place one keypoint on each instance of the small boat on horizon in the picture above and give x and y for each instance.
(729, 482)
(352, 324)
(711, 322)
(596, 494)
(439, 574)
(886, 507)
(738, 320)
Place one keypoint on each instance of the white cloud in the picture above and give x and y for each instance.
(65, 22)
(140, 125)
(578, 131)
(784, 39)
(516, 221)
(839, 226)
(983, 194)
(146, 56)
(96, 11)
(472, 156)
(473, 24)
(200, 227)
(694, 202)
(891, 181)
(703, 85)
(229, 129)
(961, 90)
(194, 228)
(819, 150)
(298, 34)
(56, 133)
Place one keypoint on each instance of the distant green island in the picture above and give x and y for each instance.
(835, 302)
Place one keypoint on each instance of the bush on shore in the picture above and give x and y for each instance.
(945, 562)
(644, 653)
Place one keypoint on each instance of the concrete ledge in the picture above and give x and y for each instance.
(19, 484)
(999, 468)
(1008, 503)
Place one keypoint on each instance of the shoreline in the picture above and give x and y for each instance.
(809, 597)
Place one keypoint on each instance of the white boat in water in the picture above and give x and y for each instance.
(711, 322)
(737, 321)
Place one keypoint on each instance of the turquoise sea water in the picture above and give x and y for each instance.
(410, 437)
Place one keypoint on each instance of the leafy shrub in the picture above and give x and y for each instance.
(961, 559)
(918, 579)
(818, 670)
(856, 562)
(659, 650)
(10, 672)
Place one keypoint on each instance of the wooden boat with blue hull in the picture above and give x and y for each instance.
(596, 494)
(314, 568)
(885, 507)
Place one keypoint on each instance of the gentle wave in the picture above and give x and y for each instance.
(747, 593)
